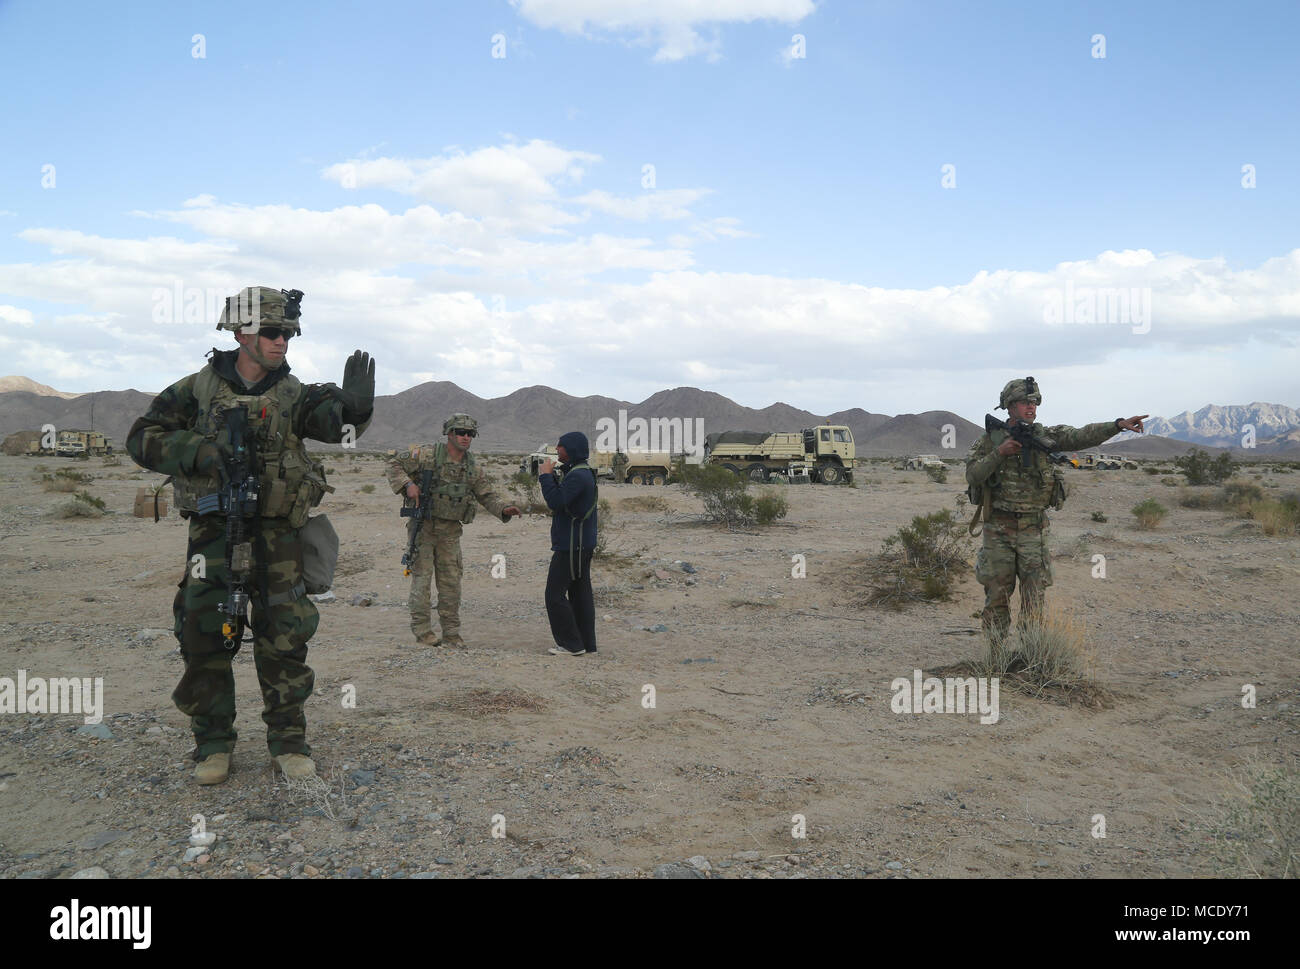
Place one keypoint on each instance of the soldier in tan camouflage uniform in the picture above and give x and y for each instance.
(1015, 533)
(457, 482)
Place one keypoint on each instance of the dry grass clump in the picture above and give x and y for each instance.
(1048, 656)
(484, 703)
(1256, 832)
(644, 503)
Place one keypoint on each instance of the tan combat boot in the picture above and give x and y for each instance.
(296, 766)
(213, 769)
(452, 641)
(427, 639)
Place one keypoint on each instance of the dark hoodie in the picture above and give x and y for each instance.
(571, 497)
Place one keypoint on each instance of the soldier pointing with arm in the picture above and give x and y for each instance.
(457, 482)
(1016, 494)
(246, 411)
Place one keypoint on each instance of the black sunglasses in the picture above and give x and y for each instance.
(275, 332)
(462, 432)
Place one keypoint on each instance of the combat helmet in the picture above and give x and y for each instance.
(1025, 388)
(459, 420)
(258, 306)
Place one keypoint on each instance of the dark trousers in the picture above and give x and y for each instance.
(569, 604)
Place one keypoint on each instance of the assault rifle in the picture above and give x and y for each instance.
(1024, 434)
(419, 511)
(237, 500)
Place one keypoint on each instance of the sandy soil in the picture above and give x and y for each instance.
(772, 700)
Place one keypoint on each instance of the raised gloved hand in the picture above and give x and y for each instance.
(358, 391)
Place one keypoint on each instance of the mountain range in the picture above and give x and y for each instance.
(532, 416)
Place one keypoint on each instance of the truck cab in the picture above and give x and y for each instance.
(830, 440)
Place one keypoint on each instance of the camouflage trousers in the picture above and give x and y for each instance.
(437, 559)
(1013, 549)
(206, 692)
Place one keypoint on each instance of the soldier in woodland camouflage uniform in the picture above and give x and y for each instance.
(1015, 533)
(457, 482)
(185, 434)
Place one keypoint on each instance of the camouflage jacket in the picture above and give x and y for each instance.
(164, 440)
(1016, 488)
(403, 469)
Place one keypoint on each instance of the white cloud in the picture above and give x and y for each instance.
(666, 204)
(16, 316)
(512, 185)
(671, 25)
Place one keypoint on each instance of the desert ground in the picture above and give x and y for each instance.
(772, 698)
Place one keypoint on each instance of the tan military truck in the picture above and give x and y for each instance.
(923, 461)
(1104, 462)
(781, 456)
(633, 467)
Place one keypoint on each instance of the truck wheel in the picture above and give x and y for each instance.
(637, 479)
(756, 472)
(1130, 466)
(658, 479)
(733, 469)
(832, 474)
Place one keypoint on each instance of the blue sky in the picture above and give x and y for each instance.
(797, 243)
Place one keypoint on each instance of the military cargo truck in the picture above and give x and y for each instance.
(922, 461)
(1104, 462)
(777, 456)
(634, 467)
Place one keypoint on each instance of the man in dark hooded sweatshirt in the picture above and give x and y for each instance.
(569, 602)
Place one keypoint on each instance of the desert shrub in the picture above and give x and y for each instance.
(368, 489)
(1149, 513)
(724, 494)
(112, 461)
(51, 483)
(69, 474)
(1257, 831)
(1200, 498)
(1239, 494)
(528, 492)
(1277, 517)
(1150, 470)
(937, 472)
(769, 507)
(82, 505)
(607, 526)
(1200, 468)
(1099, 517)
(921, 561)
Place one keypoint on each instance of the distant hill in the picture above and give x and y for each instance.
(8, 384)
(114, 412)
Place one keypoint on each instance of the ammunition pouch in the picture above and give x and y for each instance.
(1060, 489)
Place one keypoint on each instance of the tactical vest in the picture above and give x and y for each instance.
(452, 499)
(1016, 488)
(290, 484)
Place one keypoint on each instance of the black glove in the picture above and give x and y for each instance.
(358, 392)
